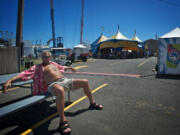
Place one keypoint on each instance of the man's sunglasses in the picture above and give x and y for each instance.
(46, 56)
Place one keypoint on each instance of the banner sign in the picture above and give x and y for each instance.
(169, 56)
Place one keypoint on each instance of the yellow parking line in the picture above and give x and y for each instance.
(80, 62)
(115, 63)
(55, 114)
(78, 67)
(91, 60)
(10, 89)
(77, 62)
(142, 63)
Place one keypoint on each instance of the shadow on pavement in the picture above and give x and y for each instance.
(15, 100)
(72, 114)
(164, 76)
(23, 120)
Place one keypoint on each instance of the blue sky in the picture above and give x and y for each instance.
(145, 16)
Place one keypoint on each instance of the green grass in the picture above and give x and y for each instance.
(35, 61)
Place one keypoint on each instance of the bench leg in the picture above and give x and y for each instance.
(31, 89)
(69, 96)
(69, 99)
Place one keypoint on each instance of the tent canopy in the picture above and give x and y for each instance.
(169, 53)
(99, 40)
(119, 43)
(80, 46)
(172, 34)
(135, 38)
(119, 36)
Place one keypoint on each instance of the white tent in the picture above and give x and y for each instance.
(119, 36)
(172, 34)
(135, 38)
(169, 53)
(80, 49)
(80, 46)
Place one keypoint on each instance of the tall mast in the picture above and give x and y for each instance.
(134, 33)
(53, 26)
(19, 31)
(19, 23)
(82, 16)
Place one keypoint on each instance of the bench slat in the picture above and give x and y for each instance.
(20, 105)
(18, 83)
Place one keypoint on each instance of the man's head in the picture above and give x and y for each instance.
(46, 57)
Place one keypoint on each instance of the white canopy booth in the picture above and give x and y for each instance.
(81, 52)
(169, 53)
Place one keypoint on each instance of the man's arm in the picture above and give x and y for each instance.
(8, 82)
(71, 68)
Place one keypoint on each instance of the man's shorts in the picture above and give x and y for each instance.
(66, 83)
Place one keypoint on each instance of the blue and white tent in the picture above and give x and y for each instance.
(135, 38)
(96, 43)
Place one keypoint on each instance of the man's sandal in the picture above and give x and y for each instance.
(63, 126)
(95, 106)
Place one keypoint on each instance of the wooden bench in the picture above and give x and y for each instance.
(22, 104)
(17, 106)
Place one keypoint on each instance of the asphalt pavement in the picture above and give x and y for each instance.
(146, 105)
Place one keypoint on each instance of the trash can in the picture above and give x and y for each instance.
(28, 64)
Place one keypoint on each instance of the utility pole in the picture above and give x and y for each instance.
(19, 29)
(82, 16)
(156, 36)
(53, 26)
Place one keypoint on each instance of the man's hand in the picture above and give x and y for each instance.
(6, 85)
(73, 70)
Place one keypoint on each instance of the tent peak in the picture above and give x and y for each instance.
(135, 38)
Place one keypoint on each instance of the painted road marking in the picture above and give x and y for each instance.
(91, 60)
(115, 63)
(78, 67)
(106, 74)
(10, 89)
(80, 62)
(77, 62)
(142, 63)
(55, 114)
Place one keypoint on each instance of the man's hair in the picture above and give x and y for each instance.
(46, 52)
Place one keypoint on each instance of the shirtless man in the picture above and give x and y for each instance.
(52, 76)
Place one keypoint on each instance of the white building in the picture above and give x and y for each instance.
(28, 48)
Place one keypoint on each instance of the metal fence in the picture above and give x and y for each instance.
(8, 60)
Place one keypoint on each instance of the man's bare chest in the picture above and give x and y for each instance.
(50, 68)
